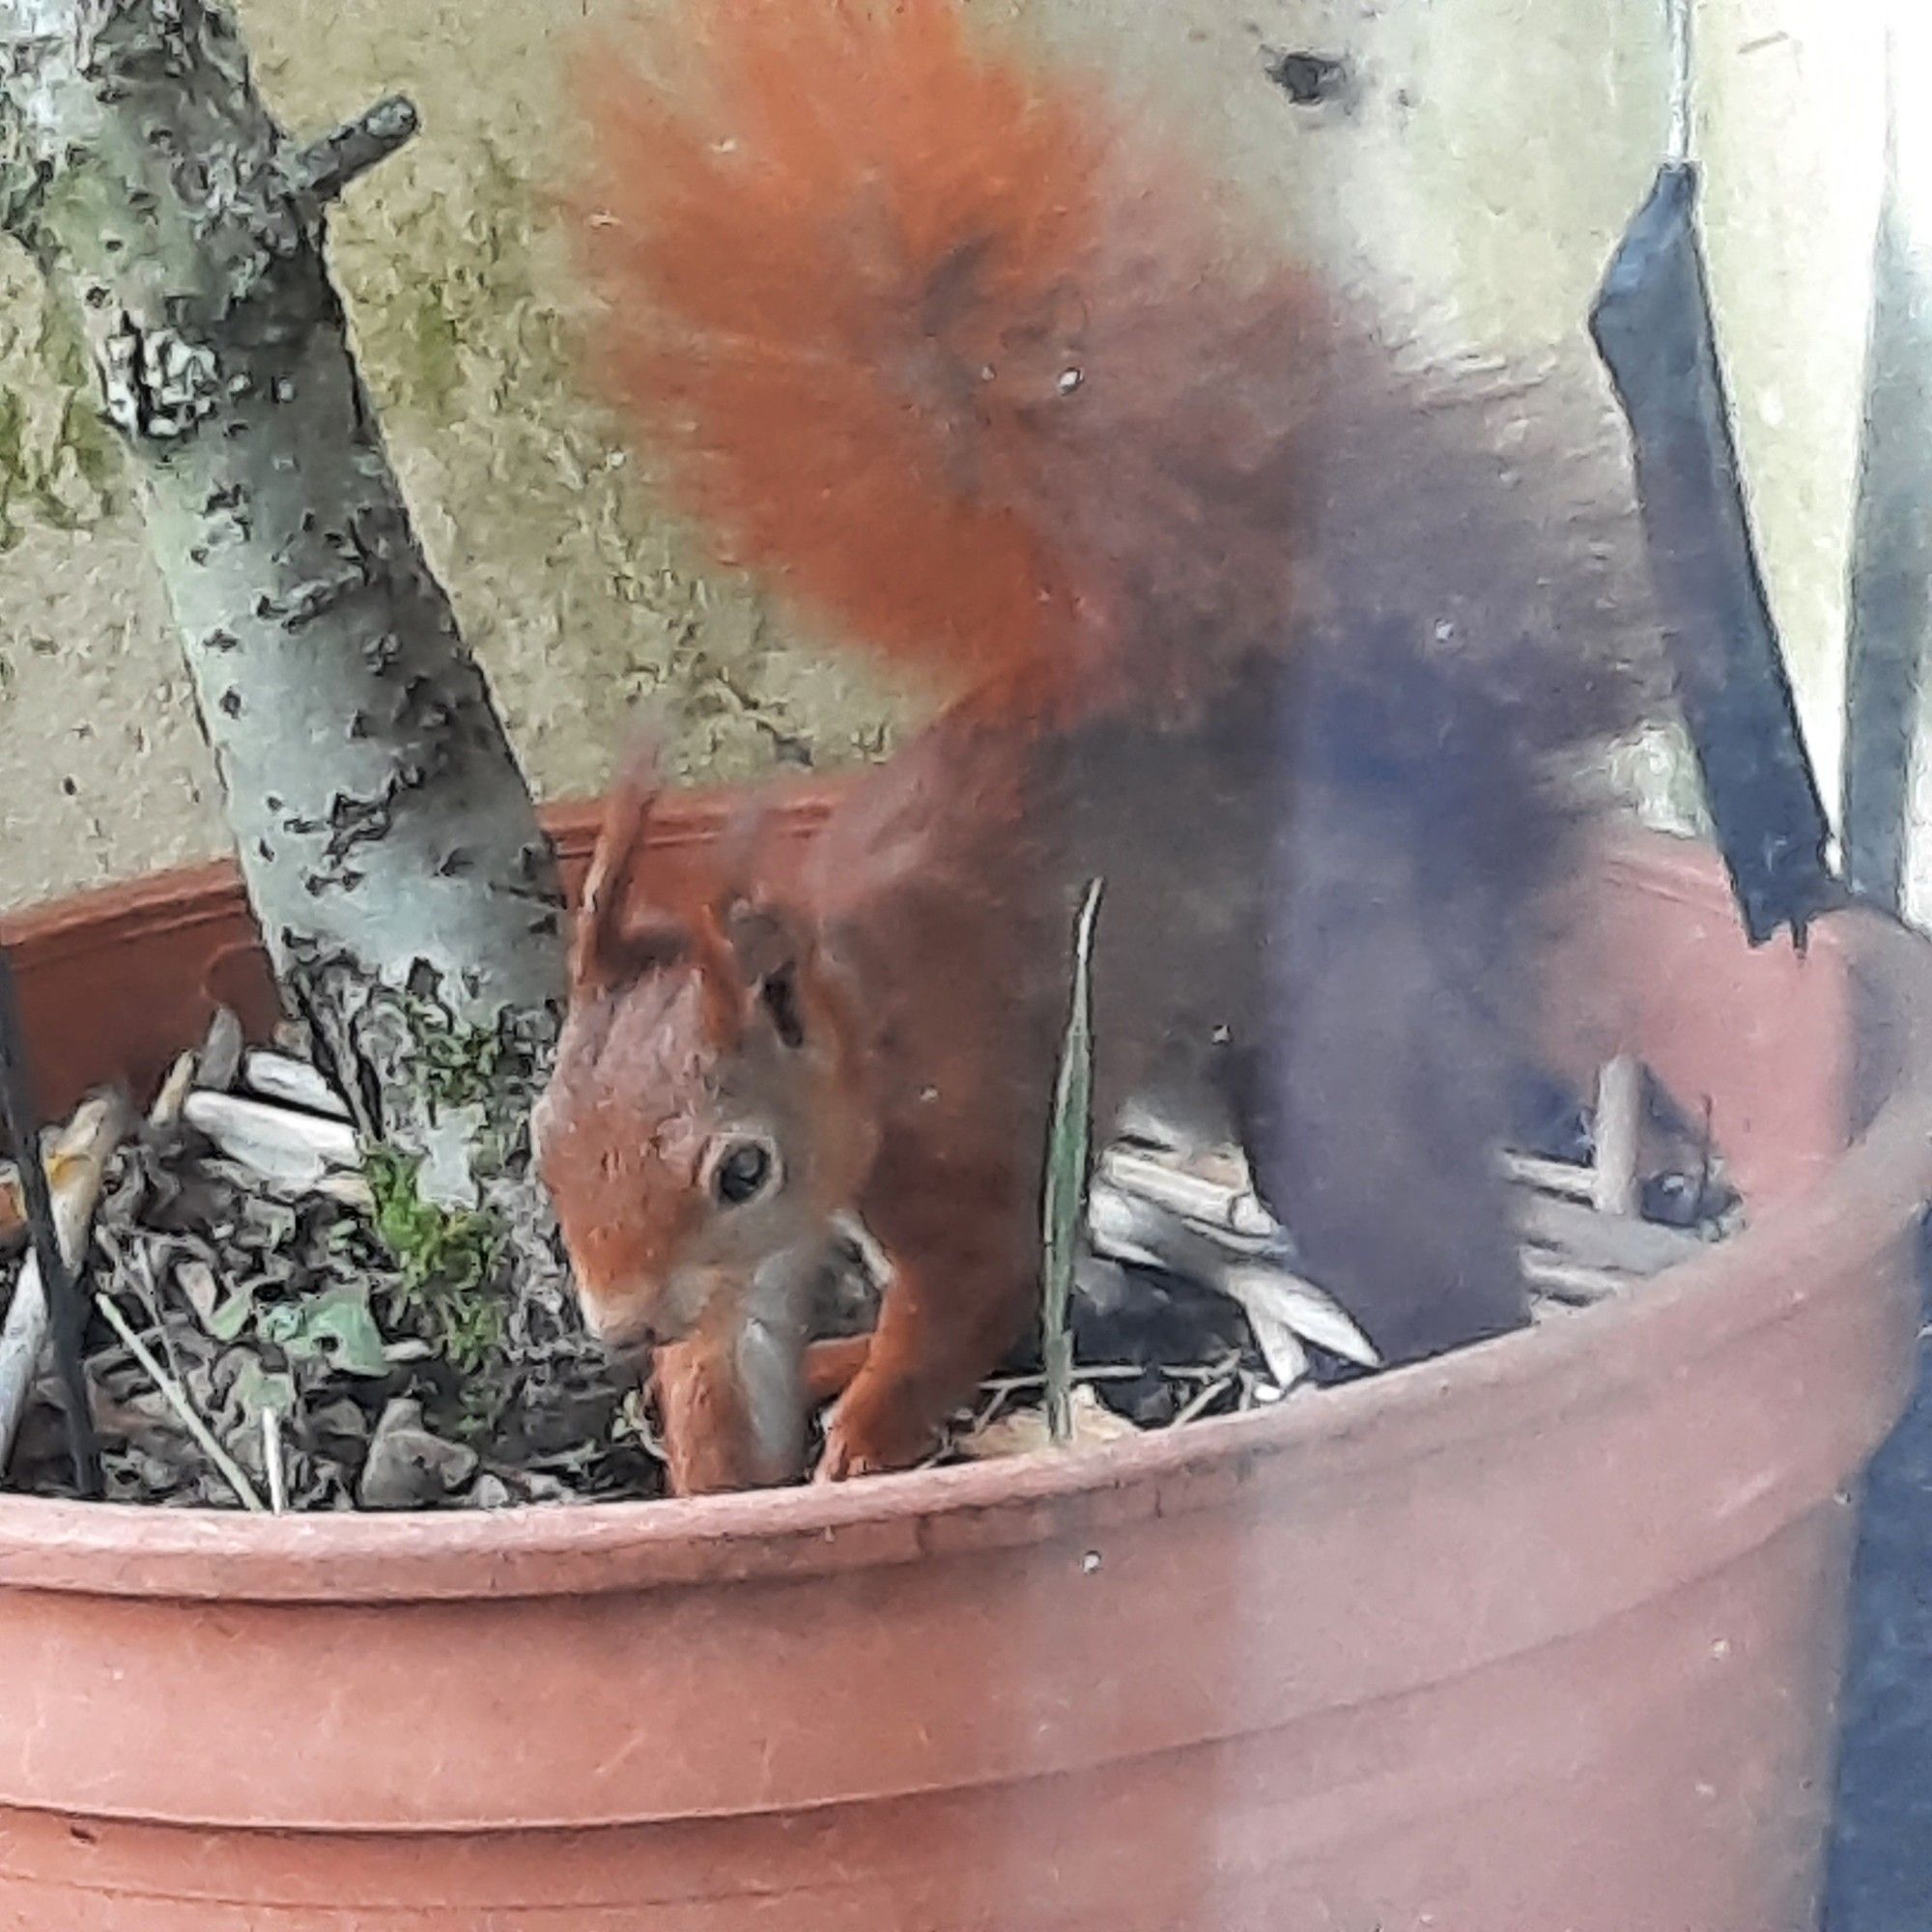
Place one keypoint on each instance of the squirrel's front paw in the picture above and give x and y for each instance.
(871, 1439)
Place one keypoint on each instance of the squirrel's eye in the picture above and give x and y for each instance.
(742, 1174)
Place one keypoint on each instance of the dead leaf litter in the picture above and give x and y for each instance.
(239, 1241)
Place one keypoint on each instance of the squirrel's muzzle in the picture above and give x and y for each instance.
(631, 1320)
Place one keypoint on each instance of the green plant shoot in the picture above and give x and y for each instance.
(445, 1258)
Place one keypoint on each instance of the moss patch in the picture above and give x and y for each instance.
(60, 463)
(446, 1260)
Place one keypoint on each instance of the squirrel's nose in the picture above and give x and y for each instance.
(619, 1325)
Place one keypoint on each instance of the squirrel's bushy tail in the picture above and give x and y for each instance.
(928, 338)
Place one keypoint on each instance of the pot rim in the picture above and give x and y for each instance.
(1590, 1357)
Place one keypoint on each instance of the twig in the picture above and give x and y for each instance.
(177, 1400)
(1086, 1372)
(1622, 1244)
(1201, 1372)
(1194, 1197)
(83, 1155)
(1065, 1191)
(1565, 1177)
(142, 1267)
(139, 1262)
(271, 1460)
(1201, 1399)
(1615, 1188)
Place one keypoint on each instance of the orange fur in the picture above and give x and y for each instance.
(925, 338)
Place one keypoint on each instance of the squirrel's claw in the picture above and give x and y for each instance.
(869, 1438)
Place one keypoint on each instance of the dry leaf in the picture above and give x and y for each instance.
(408, 1466)
(1023, 1431)
(293, 1083)
(1286, 1302)
(290, 1148)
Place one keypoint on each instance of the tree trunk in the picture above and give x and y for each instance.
(387, 839)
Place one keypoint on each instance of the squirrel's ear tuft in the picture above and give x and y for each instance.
(612, 940)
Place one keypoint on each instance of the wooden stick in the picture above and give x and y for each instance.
(1084, 1372)
(80, 1159)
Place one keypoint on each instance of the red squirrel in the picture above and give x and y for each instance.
(1233, 606)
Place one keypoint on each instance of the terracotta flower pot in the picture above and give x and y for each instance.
(1544, 1638)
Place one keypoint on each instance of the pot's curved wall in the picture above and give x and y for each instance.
(1493, 151)
(1544, 1632)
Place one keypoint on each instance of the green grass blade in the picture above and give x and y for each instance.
(1068, 1147)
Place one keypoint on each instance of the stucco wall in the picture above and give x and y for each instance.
(1492, 153)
